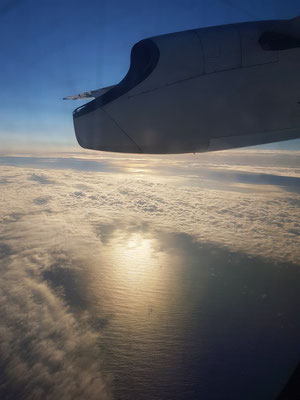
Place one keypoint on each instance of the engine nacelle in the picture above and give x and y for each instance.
(200, 90)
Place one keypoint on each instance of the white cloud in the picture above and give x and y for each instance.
(47, 351)
(229, 210)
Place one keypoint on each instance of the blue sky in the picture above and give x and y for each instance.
(51, 49)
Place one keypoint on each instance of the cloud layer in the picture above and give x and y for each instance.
(50, 217)
(231, 204)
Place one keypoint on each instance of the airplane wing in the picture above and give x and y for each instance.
(90, 94)
(200, 90)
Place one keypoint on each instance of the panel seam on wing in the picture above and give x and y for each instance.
(121, 129)
(199, 76)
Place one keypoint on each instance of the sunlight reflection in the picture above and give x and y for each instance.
(139, 283)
